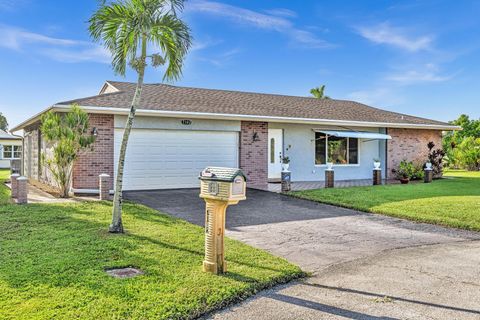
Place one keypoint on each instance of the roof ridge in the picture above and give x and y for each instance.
(401, 115)
(90, 97)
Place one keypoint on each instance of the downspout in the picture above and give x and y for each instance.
(386, 156)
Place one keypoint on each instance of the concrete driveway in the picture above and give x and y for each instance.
(357, 259)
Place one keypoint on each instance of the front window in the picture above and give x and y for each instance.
(335, 149)
(17, 152)
(12, 152)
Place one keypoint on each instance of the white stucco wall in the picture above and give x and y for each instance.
(299, 145)
(166, 123)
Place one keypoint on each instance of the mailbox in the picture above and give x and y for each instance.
(219, 187)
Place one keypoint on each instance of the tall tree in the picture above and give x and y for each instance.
(3, 122)
(319, 92)
(127, 28)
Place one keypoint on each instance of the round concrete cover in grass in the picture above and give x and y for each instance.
(128, 272)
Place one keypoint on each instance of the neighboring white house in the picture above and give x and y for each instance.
(10, 148)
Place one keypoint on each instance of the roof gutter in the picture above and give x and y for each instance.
(222, 116)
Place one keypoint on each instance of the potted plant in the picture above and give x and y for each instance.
(404, 172)
(428, 165)
(376, 163)
(285, 163)
(329, 165)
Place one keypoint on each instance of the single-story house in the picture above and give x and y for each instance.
(178, 131)
(10, 149)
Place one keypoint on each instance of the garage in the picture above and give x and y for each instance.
(171, 159)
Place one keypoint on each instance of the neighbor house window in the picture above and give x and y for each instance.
(335, 149)
(12, 152)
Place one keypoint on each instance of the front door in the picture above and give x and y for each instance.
(275, 148)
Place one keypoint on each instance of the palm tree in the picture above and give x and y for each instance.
(126, 28)
(318, 92)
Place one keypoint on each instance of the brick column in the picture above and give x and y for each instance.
(428, 175)
(104, 186)
(22, 193)
(329, 178)
(14, 184)
(377, 177)
(254, 152)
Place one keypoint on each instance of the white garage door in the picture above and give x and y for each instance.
(168, 159)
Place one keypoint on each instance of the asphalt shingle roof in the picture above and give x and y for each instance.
(6, 135)
(184, 99)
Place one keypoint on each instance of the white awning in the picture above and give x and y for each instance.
(356, 134)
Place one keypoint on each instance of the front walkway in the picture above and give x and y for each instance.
(309, 185)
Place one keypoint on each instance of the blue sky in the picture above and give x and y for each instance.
(415, 57)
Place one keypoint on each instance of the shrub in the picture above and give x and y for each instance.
(68, 135)
(408, 170)
(435, 156)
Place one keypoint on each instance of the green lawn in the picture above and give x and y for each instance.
(53, 257)
(453, 201)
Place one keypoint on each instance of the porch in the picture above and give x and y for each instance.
(310, 185)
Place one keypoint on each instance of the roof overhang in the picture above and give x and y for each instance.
(356, 134)
(221, 116)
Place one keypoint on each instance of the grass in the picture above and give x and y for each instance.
(53, 257)
(453, 201)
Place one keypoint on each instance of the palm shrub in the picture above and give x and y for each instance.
(128, 29)
(467, 153)
(68, 136)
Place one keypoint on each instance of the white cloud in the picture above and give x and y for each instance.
(281, 12)
(63, 50)
(381, 97)
(426, 73)
(259, 20)
(397, 37)
(221, 59)
(11, 5)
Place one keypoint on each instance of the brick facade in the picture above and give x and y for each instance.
(254, 154)
(90, 165)
(410, 145)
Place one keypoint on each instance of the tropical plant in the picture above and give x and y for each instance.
(470, 128)
(3, 122)
(285, 160)
(68, 136)
(127, 28)
(467, 153)
(435, 157)
(319, 92)
(408, 170)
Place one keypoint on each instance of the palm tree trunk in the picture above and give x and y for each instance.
(117, 225)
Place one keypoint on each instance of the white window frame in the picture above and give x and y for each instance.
(326, 153)
(12, 157)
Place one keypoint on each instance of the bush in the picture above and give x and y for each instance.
(467, 153)
(435, 156)
(408, 170)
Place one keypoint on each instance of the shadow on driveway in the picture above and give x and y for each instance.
(261, 207)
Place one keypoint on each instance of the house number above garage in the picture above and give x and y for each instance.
(186, 122)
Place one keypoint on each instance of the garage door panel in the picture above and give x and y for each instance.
(162, 159)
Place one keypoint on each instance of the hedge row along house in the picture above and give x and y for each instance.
(179, 131)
